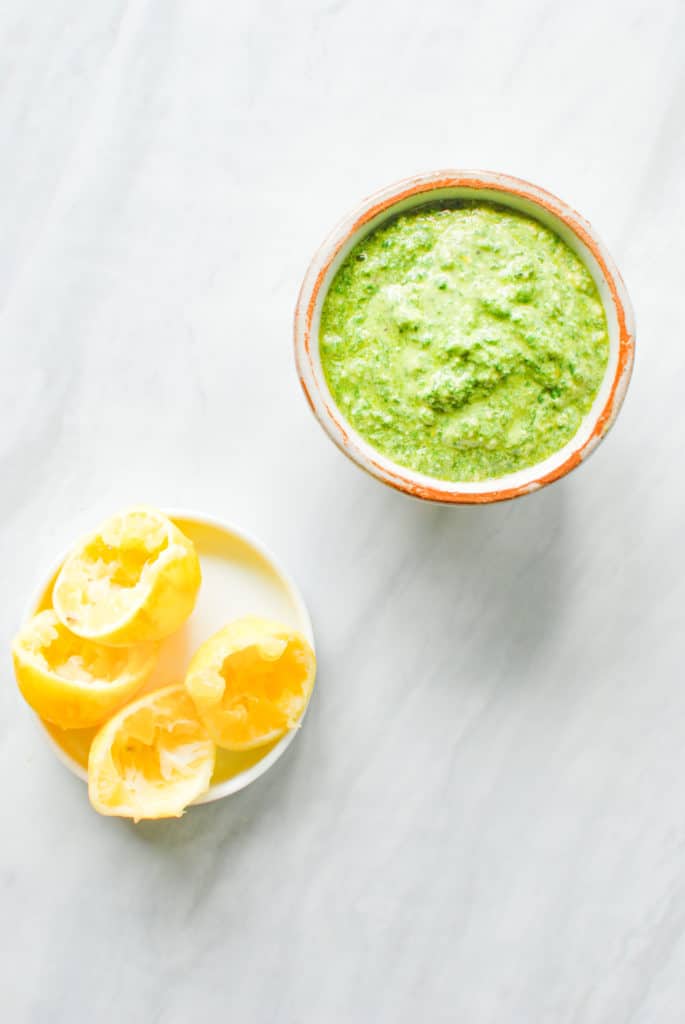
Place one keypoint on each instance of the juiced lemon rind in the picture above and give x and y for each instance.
(251, 682)
(133, 580)
(151, 759)
(72, 682)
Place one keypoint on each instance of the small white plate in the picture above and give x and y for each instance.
(239, 577)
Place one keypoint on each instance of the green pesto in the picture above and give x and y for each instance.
(464, 342)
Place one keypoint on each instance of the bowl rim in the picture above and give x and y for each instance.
(315, 286)
(248, 775)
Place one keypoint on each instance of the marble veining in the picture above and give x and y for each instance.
(482, 819)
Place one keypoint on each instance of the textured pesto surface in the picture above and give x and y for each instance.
(464, 342)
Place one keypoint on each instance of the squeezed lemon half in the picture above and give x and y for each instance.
(75, 683)
(134, 580)
(251, 681)
(151, 759)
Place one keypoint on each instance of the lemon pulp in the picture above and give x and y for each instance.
(75, 682)
(151, 759)
(134, 579)
(76, 745)
(251, 681)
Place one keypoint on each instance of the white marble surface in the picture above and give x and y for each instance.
(483, 820)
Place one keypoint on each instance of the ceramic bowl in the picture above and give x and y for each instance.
(507, 191)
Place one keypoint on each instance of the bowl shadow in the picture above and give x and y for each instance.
(479, 590)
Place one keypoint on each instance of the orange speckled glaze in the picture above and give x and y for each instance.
(311, 375)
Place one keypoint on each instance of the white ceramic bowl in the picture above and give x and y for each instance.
(240, 577)
(507, 191)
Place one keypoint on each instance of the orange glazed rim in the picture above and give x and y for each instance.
(508, 191)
